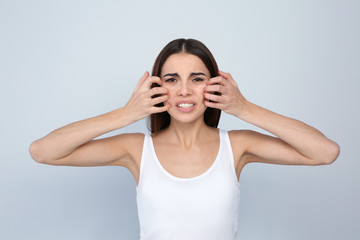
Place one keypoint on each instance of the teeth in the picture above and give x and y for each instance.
(185, 105)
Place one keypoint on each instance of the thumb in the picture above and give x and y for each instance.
(227, 76)
(142, 80)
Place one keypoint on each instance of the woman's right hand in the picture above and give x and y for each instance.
(142, 103)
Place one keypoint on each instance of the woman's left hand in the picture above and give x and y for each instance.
(230, 99)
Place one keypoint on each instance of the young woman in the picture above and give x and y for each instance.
(187, 170)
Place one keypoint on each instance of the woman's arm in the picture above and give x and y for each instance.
(73, 144)
(295, 141)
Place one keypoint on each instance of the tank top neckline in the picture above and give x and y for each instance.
(164, 171)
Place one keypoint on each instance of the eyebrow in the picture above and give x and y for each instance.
(191, 74)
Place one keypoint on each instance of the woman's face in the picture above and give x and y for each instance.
(185, 77)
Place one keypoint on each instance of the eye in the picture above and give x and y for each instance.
(170, 80)
(198, 79)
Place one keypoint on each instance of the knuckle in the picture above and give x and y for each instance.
(212, 105)
(216, 78)
(163, 90)
(154, 90)
(154, 78)
(160, 90)
(210, 88)
(161, 99)
(160, 109)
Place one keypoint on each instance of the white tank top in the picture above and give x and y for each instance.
(201, 207)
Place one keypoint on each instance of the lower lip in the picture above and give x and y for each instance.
(186, 110)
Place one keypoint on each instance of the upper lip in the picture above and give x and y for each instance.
(185, 101)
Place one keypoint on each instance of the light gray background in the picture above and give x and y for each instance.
(63, 61)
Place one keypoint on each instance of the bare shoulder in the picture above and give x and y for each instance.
(134, 143)
(130, 143)
(130, 138)
(242, 136)
(240, 140)
(124, 140)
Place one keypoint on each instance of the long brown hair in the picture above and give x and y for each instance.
(160, 121)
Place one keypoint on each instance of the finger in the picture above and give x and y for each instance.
(216, 80)
(157, 90)
(212, 104)
(166, 107)
(158, 100)
(212, 97)
(142, 80)
(151, 80)
(213, 88)
(227, 76)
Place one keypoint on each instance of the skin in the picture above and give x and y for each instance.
(187, 148)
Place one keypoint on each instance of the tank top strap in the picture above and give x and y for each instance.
(224, 161)
(145, 162)
(228, 153)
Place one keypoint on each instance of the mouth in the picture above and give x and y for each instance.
(185, 105)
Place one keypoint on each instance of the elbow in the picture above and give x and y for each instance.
(35, 152)
(332, 153)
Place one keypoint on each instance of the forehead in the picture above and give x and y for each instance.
(184, 63)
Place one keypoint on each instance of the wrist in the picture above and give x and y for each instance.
(245, 110)
(119, 118)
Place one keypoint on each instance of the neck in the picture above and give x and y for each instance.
(187, 134)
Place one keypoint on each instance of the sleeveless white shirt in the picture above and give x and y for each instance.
(204, 207)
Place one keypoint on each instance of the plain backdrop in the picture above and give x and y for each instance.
(63, 61)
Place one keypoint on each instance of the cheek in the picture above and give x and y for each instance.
(200, 90)
(171, 93)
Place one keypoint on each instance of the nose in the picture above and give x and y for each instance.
(185, 89)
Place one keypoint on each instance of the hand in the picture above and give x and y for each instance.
(230, 99)
(142, 101)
